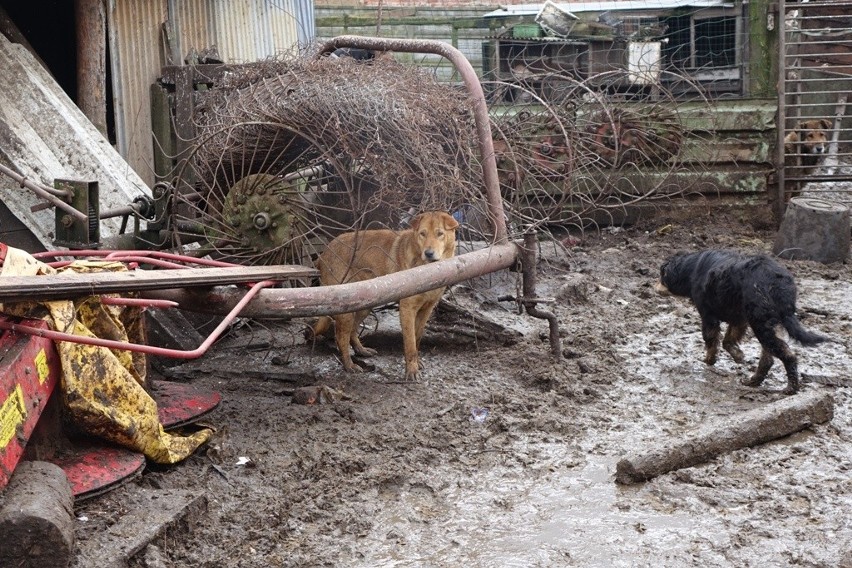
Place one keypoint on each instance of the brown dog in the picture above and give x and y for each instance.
(805, 148)
(362, 255)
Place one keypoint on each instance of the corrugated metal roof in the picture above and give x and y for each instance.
(611, 6)
(241, 30)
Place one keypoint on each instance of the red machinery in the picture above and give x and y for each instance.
(29, 421)
(30, 370)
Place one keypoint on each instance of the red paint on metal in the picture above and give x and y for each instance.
(179, 403)
(140, 348)
(29, 372)
(93, 469)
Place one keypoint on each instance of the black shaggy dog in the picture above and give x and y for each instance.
(743, 291)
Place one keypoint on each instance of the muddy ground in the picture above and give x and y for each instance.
(502, 456)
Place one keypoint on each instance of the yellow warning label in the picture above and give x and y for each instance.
(41, 366)
(12, 414)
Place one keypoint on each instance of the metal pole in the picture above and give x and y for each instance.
(50, 195)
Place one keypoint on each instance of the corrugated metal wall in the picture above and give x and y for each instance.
(144, 35)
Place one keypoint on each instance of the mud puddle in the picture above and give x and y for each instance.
(502, 517)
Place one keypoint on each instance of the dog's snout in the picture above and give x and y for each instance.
(662, 289)
(429, 254)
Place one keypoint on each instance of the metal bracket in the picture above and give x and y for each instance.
(529, 300)
(74, 233)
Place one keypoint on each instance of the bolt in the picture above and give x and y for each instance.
(261, 221)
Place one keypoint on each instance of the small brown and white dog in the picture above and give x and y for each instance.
(362, 255)
(805, 148)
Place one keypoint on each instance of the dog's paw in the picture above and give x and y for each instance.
(710, 359)
(366, 352)
(412, 372)
(753, 381)
(412, 377)
(792, 385)
(353, 368)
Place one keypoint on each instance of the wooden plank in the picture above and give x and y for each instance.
(70, 285)
(152, 514)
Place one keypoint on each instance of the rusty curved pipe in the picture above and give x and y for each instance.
(342, 298)
(474, 89)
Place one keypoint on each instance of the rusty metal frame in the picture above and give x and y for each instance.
(329, 300)
(342, 298)
(792, 96)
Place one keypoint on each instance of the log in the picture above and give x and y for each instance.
(37, 518)
(727, 434)
(813, 229)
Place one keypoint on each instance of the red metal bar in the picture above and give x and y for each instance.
(120, 255)
(147, 349)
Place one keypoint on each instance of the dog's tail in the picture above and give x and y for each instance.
(807, 338)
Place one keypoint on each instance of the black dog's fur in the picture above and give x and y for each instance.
(742, 291)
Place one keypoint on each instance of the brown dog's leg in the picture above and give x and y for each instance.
(710, 332)
(420, 321)
(408, 322)
(763, 367)
(730, 342)
(321, 327)
(355, 339)
(343, 327)
(776, 347)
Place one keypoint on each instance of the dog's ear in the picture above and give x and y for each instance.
(414, 224)
(825, 123)
(450, 223)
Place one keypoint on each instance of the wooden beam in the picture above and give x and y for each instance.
(90, 18)
(71, 285)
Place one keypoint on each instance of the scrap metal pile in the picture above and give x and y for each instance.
(586, 155)
(289, 154)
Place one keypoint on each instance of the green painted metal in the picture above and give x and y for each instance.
(731, 115)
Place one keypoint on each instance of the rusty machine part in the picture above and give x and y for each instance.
(449, 160)
(290, 154)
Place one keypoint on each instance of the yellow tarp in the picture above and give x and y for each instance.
(103, 389)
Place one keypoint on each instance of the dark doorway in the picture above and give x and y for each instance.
(48, 26)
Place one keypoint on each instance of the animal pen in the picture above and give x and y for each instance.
(815, 69)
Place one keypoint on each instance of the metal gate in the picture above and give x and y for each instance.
(815, 110)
